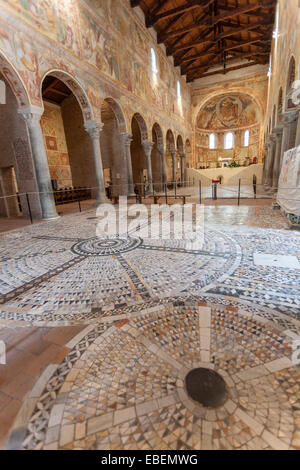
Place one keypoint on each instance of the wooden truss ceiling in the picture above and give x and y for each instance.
(54, 90)
(201, 34)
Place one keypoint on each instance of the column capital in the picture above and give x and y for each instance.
(147, 144)
(182, 154)
(173, 152)
(93, 128)
(126, 137)
(32, 115)
(278, 130)
(289, 117)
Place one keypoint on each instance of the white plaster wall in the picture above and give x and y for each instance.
(230, 176)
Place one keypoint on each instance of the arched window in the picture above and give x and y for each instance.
(246, 138)
(212, 141)
(229, 140)
(178, 89)
(153, 61)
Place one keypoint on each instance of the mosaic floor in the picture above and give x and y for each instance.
(151, 311)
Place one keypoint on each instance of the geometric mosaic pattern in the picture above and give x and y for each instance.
(124, 388)
(105, 247)
(154, 310)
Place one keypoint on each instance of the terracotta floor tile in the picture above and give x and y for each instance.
(4, 400)
(16, 361)
(7, 417)
(60, 355)
(19, 385)
(62, 335)
(36, 366)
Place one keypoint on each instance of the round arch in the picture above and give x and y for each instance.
(170, 140)
(159, 134)
(14, 80)
(115, 106)
(142, 125)
(256, 148)
(229, 91)
(76, 88)
(179, 143)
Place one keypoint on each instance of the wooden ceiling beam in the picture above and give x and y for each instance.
(225, 49)
(54, 90)
(222, 72)
(151, 20)
(199, 24)
(135, 3)
(240, 56)
(174, 50)
(235, 29)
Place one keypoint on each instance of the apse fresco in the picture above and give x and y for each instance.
(104, 44)
(228, 111)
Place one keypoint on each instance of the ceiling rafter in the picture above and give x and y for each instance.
(240, 56)
(223, 71)
(235, 29)
(151, 19)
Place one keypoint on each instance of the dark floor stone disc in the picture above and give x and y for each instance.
(207, 387)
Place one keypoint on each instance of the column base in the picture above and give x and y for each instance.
(105, 201)
(53, 217)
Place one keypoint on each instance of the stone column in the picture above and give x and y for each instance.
(163, 165)
(182, 156)
(94, 129)
(289, 119)
(276, 171)
(126, 140)
(271, 161)
(147, 145)
(297, 143)
(173, 155)
(266, 152)
(32, 118)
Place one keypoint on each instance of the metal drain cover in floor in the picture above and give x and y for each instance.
(206, 387)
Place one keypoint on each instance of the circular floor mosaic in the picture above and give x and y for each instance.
(105, 246)
(122, 386)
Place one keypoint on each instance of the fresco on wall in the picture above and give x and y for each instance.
(105, 34)
(56, 147)
(227, 111)
(98, 46)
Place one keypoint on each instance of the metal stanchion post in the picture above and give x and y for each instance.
(175, 190)
(254, 186)
(239, 194)
(79, 205)
(29, 208)
(166, 193)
